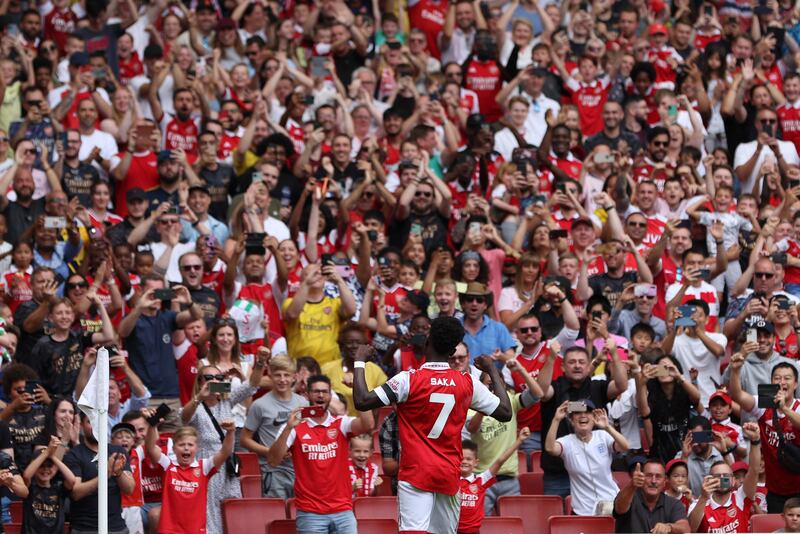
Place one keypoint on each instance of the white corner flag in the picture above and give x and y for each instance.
(94, 403)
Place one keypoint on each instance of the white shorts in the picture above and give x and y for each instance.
(132, 515)
(426, 511)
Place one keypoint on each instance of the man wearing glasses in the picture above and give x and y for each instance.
(169, 249)
(750, 157)
(191, 267)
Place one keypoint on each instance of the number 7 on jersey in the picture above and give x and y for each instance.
(448, 401)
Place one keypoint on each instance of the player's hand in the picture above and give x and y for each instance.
(364, 353)
(484, 363)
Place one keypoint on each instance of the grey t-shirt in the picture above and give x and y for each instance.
(267, 415)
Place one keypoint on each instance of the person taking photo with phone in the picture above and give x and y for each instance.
(724, 505)
(318, 443)
(777, 415)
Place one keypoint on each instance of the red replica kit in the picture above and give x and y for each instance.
(432, 404)
(184, 498)
(473, 491)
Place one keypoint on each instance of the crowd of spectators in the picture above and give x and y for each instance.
(236, 196)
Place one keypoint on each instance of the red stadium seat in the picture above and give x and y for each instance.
(12, 528)
(621, 478)
(574, 524)
(377, 526)
(522, 458)
(239, 515)
(291, 509)
(531, 483)
(384, 489)
(766, 522)
(531, 508)
(281, 526)
(375, 508)
(249, 465)
(501, 525)
(15, 508)
(251, 486)
(568, 505)
(536, 462)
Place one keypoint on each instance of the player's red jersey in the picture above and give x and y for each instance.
(485, 78)
(180, 134)
(781, 481)
(432, 404)
(184, 499)
(319, 454)
(368, 475)
(733, 516)
(590, 98)
(429, 16)
(789, 117)
(531, 416)
(135, 498)
(473, 490)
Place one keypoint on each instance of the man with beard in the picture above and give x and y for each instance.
(424, 210)
(766, 285)
(84, 499)
(170, 164)
(484, 75)
(180, 131)
(21, 213)
(393, 136)
(653, 166)
(483, 335)
(77, 177)
(97, 147)
(642, 505)
(559, 162)
(137, 166)
(215, 175)
(612, 132)
(345, 170)
(349, 47)
(327, 505)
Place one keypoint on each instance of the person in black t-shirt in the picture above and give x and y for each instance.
(191, 267)
(611, 283)
(25, 413)
(49, 482)
(77, 177)
(575, 384)
(423, 209)
(30, 316)
(81, 461)
(57, 357)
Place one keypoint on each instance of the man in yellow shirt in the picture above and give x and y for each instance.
(312, 319)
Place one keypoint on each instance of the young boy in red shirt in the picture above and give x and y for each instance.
(473, 487)
(183, 508)
(363, 474)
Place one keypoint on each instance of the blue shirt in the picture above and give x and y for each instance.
(491, 336)
(150, 353)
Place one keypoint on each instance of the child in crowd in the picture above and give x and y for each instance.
(678, 482)
(185, 483)
(363, 474)
(474, 486)
(49, 482)
(719, 409)
(124, 435)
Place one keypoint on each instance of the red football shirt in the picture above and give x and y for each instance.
(58, 25)
(432, 404)
(135, 498)
(590, 98)
(184, 499)
(531, 416)
(789, 117)
(320, 457)
(142, 173)
(180, 134)
(484, 77)
(262, 293)
(473, 491)
(733, 516)
(429, 16)
(368, 475)
(779, 479)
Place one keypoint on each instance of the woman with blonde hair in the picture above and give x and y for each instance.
(205, 413)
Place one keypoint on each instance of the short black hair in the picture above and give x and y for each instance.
(655, 132)
(470, 445)
(643, 328)
(699, 303)
(14, 373)
(313, 379)
(702, 422)
(445, 335)
(377, 215)
(784, 365)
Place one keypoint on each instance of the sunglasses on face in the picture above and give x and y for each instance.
(637, 224)
(768, 121)
(226, 321)
(220, 377)
(528, 329)
(765, 276)
(474, 298)
(660, 143)
(193, 267)
(168, 221)
(76, 285)
(423, 194)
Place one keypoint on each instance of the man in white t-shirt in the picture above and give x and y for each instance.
(750, 157)
(96, 145)
(697, 349)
